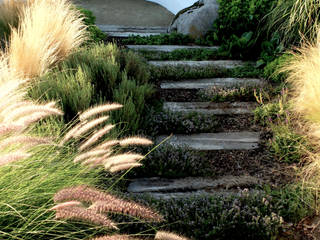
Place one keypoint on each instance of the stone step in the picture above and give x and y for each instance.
(167, 48)
(215, 141)
(219, 64)
(127, 31)
(197, 84)
(162, 188)
(212, 108)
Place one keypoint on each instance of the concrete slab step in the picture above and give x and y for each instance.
(212, 108)
(161, 188)
(219, 64)
(215, 141)
(127, 31)
(167, 48)
(197, 84)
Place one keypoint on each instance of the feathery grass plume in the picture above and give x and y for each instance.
(135, 141)
(120, 159)
(96, 161)
(126, 207)
(48, 32)
(65, 205)
(95, 137)
(83, 214)
(90, 154)
(32, 118)
(12, 157)
(162, 235)
(27, 141)
(107, 144)
(99, 109)
(9, 128)
(304, 74)
(70, 134)
(82, 193)
(88, 126)
(115, 237)
(30, 109)
(125, 166)
(10, 10)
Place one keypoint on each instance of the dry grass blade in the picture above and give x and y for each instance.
(162, 235)
(99, 109)
(125, 207)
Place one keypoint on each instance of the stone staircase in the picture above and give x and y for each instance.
(232, 143)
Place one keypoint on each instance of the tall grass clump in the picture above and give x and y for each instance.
(304, 75)
(10, 10)
(293, 19)
(48, 31)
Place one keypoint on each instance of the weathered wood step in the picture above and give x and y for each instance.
(224, 108)
(215, 141)
(162, 188)
(167, 48)
(198, 84)
(219, 64)
(127, 31)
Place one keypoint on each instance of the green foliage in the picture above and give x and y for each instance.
(294, 202)
(27, 190)
(287, 145)
(72, 87)
(237, 27)
(272, 69)
(133, 97)
(278, 110)
(185, 72)
(294, 20)
(248, 216)
(96, 74)
(183, 54)
(164, 122)
(172, 162)
(163, 39)
(96, 35)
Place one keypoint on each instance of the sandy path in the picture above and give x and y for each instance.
(127, 12)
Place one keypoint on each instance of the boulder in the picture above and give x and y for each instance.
(196, 20)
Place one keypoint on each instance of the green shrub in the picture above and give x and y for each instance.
(272, 69)
(71, 87)
(287, 145)
(237, 27)
(96, 35)
(163, 39)
(98, 74)
(133, 97)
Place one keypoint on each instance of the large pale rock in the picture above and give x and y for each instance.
(196, 20)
